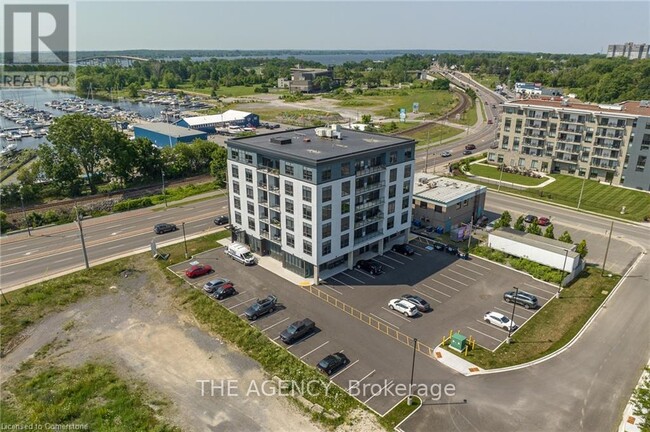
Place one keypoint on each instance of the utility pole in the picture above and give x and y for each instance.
(81, 236)
(611, 228)
(22, 206)
(512, 318)
(409, 402)
(184, 239)
(501, 167)
(469, 238)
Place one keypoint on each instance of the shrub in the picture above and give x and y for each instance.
(131, 204)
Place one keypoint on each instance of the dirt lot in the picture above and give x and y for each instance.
(138, 329)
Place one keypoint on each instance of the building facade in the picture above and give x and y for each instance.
(602, 142)
(629, 50)
(317, 203)
(302, 80)
(210, 123)
(165, 134)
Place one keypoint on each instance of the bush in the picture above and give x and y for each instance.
(132, 204)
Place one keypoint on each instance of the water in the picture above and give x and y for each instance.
(325, 59)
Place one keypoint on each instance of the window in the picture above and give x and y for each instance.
(249, 192)
(235, 187)
(234, 154)
(306, 247)
(405, 202)
(465, 202)
(288, 188)
(251, 208)
(458, 204)
(640, 163)
(238, 218)
(390, 222)
(306, 193)
(249, 158)
(291, 240)
(345, 168)
(408, 154)
(327, 247)
(393, 175)
(345, 206)
(423, 204)
(407, 187)
(235, 171)
(392, 157)
(237, 203)
(306, 230)
(306, 212)
(288, 205)
(288, 168)
(327, 230)
(392, 190)
(345, 240)
(327, 193)
(251, 223)
(405, 217)
(249, 175)
(345, 223)
(391, 207)
(407, 171)
(326, 212)
(289, 222)
(345, 188)
(326, 174)
(307, 174)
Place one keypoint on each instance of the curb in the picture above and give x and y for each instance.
(397, 426)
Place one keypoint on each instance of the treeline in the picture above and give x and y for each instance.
(592, 77)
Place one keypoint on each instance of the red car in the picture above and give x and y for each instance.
(197, 270)
(543, 221)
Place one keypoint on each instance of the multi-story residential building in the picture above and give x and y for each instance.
(302, 80)
(629, 50)
(318, 198)
(603, 142)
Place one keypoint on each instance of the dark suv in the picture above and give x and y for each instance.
(522, 298)
(404, 249)
(370, 266)
(162, 228)
(261, 307)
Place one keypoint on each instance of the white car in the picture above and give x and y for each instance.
(490, 227)
(403, 306)
(499, 320)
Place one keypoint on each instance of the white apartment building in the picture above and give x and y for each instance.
(318, 198)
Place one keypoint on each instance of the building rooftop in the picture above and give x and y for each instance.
(537, 241)
(304, 144)
(443, 190)
(630, 107)
(225, 117)
(169, 129)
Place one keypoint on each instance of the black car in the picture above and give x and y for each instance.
(370, 266)
(404, 249)
(221, 220)
(522, 298)
(470, 147)
(261, 307)
(439, 246)
(467, 152)
(163, 228)
(297, 330)
(332, 363)
(530, 218)
(419, 302)
(224, 291)
(451, 249)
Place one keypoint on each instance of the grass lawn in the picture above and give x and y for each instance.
(298, 117)
(552, 327)
(468, 118)
(388, 102)
(492, 172)
(433, 134)
(483, 111)
(488, 80)
(399, 413)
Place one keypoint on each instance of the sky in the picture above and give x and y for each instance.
(541, 26)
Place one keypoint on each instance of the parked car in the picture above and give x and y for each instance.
(403, 306)
(439, 246)
(522, 298)
(451, 249)
(421, 304)
(491, 226)
(198, 270)
(240, 252)
(463, 254)
(494, 145)
(212, 285)
(221, 220)
(490, 121)
(332, 363)
(543, 221)
(297, 330)
(445, 154)
(163, 228)
(467, 152)
(470, 147)
(482, 221)
(499, 320)
(225, 290)
(370, 266)
(404, 249)
(530, 218)
(261, 307)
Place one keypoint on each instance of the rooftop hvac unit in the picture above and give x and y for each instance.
(333, 131)
(432, 184)
(281, 140)
(644, 104)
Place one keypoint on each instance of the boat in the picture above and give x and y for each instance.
(8, 148)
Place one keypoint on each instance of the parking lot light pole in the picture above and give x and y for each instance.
(81, 236)
(409, 401)
(512, 318)
(559, 285)
(184, 239)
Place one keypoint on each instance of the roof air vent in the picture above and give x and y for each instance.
(281, 140)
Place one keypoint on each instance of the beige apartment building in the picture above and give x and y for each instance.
(603, 142)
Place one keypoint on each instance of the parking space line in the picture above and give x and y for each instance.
(228, 298)
(510, 312)
(276, 338)
(470, 270)
(419, 247)
(541, 289)
(387, 265)
(451, 278)
(460, 274)
(271, 326)
(387, 322)
(378, 392)
(392, 259)
(448, 286)
(401, 256)
(335, 290)
(358, 381)
(484, 334)
(365, 274)
(344, 369)
(478, 265)
(319, 346)
(439, 292)
(341, 282)
(239, 304)
(493, 326)
(300, 341)
(532, 311)
(242, 314)
(397, 314)
(427, 295)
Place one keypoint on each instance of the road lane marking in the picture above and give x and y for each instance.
(149, 218)
(470, 270)
(451, 278)
(378, 392)
(439, 292)
(343, 370)
(343, 283)
(62, 260)
(397, 314)
(427, 296)
(115, 247)
(239, 304)
(319, 346)
(271, 326)
(387, 322)
(460, 274)
(484, 334)
(7, 273)
(448, 286)
(520, 307)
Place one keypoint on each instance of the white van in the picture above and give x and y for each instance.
(241, 253)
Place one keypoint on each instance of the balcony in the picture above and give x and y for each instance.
(367, 237)
(264, 218)
(377, 218)
(368, 205)
(263, 186)
(268, 170)
(536, 125)
(369, 188)
(276, 222)
(274, 190)
(265, 234)
(566, 158)
(533, 133)
(367, 170)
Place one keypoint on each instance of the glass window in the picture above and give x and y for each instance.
(306, 193)
(393, 157)
(249, 175)
(345, 206)
(251, 208)
(288, 204)
(438, 209)
(237, 203)
(249, 192)
(390, 222)
(408, 154)
(423, 204)
(288, 168)
(326, 174)
(251, 223)
(237, 218)
(345, 223)
(345, 168)
(392, 190)
(405, 202)
(345, 188)
(306, 230)
(307, 174)
(405, 217)
(327, 247)
(289, 221)
(234, 154)
(407, 187)
(326, 212)
(407, 171)
(288, 188)
(391, 207)
(306, 247)
(235, 171)
(306, 212)
(327, 230)
(235, 187)
(327, 193)
(345, 240)
(249, 158)
(393, 175)
(291, 241)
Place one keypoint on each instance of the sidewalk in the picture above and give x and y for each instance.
(630, 422)
(456, 363)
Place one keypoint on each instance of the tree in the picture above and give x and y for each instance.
(534, 228)
(219, 165)
(133, 90)
(62, 168)
(504, 220)
(581, 248)
(565, 237)
(549, 232)
(641, 401)
(366, 118)
(519, 224)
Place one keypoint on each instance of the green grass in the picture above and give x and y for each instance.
(467, 118)
(433, 134)
(483, 112)
(494, 173)
(488, 80)
(552, 327)
(399, 413)
(387, 103)
(91, 395)
(298, 117)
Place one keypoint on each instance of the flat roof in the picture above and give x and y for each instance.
(443, 190)
(169, 129)
(306, 145)
(227, 116)
(629, 107)
(540, 242)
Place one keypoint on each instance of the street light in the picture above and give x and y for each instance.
(22, 206)
(582, 188)
(501, 167)
(184, 239)
(81, 236)
(409, 401)
(512, 318)
(559, 285)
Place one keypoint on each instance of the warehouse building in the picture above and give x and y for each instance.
(165, 134)
(210, 123)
